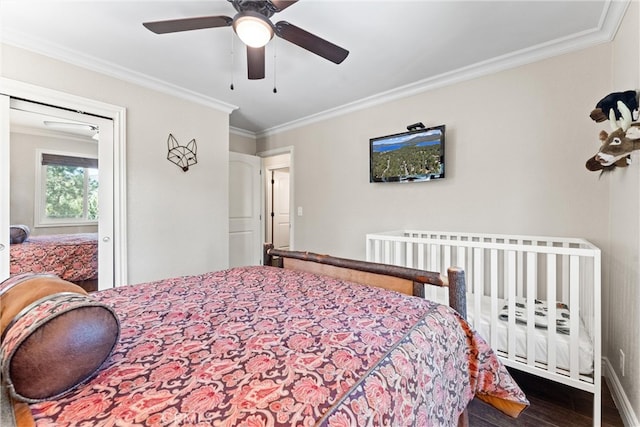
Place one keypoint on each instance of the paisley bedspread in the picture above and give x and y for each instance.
(72, 257)
(262, 346)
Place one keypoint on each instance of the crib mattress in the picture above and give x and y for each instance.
(483, 327)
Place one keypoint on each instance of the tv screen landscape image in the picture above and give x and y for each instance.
(408, 157)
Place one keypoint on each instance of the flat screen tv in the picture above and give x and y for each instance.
(413, 156)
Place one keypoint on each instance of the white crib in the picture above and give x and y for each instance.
(505, 276)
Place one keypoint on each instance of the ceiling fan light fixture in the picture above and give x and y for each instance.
(70, 125)
(253, 29)
(74, 127)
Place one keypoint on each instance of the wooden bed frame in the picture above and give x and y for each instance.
(408, 281)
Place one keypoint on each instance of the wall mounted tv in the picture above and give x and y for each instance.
(413, 156)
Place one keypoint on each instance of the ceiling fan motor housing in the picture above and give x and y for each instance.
(264, 8)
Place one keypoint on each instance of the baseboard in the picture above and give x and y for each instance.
(627, 414)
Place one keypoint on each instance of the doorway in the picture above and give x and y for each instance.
(278, 198)
(20, 102)
(277, 204)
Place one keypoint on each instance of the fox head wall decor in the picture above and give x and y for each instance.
(182, 155)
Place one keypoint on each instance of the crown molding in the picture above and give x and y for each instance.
(45, 48)
(242, 132)
(610, 20)
(612, 16)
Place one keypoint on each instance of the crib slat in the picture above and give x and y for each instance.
(510, 266)
(397, 253)
(565, 276)
(387, 252)
(376, 250)
(461, 258)
(433, 257)
(408, 259)
(574, 321)
(494, 298)
(446, 261)
(520, 271)
(432, 262)
(532, 280)
(551, 319)
(478, 275)
(369, 248)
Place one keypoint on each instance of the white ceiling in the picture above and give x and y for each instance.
(396, 48)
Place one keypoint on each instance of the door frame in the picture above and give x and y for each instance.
(273, 196)
(276, 152)
(18, 89)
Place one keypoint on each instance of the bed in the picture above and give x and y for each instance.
(72, 257)
(535, 299)
(298, 341)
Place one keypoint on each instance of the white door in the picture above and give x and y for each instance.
(105, 179)
(279, 215)
(245, 245)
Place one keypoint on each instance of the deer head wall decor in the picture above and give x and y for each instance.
(610, 102)
(616, 147)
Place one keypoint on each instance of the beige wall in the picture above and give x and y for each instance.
(177, 221)
(622, 275)
(23, 173)
(516, 145)
(242, 144)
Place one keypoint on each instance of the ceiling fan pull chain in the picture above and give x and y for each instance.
(275, 44)
(232, 62)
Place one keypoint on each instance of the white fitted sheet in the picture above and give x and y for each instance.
(541, 337)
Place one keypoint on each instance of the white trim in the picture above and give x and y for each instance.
(241, 132)
(117, 114)
(610, 20)
(276, 151)
(44, 47)
(629, 417)
(292, 216)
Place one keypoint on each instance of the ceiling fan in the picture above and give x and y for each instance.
(255, 29)
(74, 127)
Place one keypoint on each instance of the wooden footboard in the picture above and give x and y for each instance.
(409, 281)
(401, 279)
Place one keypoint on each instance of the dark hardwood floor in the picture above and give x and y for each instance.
(552, 404)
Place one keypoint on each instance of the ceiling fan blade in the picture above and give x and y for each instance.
(187, 24)
(255, 62)
(281, 5)
(311, 42)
